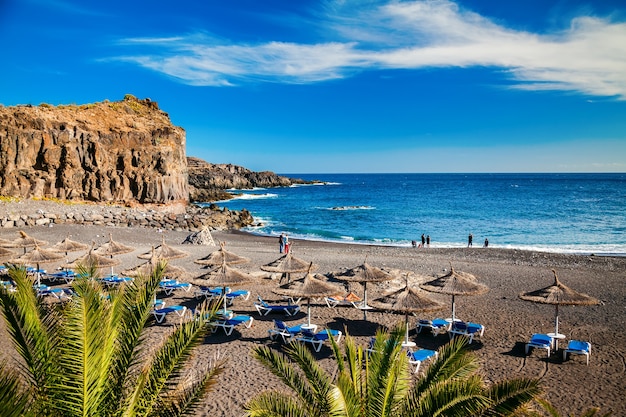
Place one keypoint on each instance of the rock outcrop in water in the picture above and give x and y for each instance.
(119, 152)
(208, 182)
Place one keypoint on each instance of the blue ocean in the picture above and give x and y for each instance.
(568, 213)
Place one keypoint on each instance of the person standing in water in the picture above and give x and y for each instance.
(470, 239)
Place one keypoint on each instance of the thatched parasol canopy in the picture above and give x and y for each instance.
(93, 258)
(112, 248)
(220, 256)
(455, 283)
(364, 273)
(5, 243)
(26, 241)
(38, 256)
(311, 286)
(6, 253)
(223, 276)
(289, 264)
(558, 294)
(147, 268)
(164, 251)
(69, 245)
(406, 300)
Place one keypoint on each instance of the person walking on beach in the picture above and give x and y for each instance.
(281, 242)
(470, 238)
(428, 241)
(286, 240)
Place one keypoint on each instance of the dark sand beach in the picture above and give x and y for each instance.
(571, 386)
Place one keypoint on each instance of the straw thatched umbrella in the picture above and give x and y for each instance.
(112, 248)
(69, 245)
(311, 286)
(223, 276)
(38, 256)
(164, 251)
(558, 294)
(220, 256)
(455, 283)
(406, 300)
(147, 268)
(6, 253)
(26, 241)
(289, 264)
(93, 258)
(364, 273)
(5, 243)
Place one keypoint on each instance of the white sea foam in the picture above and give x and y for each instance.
(343, 208)
(313, 184)
(249, 196)
(246, 189)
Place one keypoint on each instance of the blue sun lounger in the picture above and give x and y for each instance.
(317, 339)
(577, 347)
(264, 309)
(229, 324)
(540, 341)
(417, 357)
(160, 313)
(287, 333)
(437, 326)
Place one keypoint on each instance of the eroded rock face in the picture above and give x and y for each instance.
(208, 181)
(119, 152)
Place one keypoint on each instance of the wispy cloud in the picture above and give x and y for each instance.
(588, 57)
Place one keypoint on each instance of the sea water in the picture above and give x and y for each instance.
(569, 213)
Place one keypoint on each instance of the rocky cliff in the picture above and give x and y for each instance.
(121, 152)
(207, 181)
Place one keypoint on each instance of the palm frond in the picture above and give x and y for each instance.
(28, 323)
(14, 402)
(274, 404)
(452, 397)
(279, 365)
(184, 399)
(166, 362)
(88, 344)
(508, 396)
(387, 378)
(320, 382)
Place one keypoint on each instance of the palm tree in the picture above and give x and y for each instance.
(379, 383)
(91, 356)
(553, 412)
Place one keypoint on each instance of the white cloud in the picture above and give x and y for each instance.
(588, 57)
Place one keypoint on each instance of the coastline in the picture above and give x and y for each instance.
(571, 386)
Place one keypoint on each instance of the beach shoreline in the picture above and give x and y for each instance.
(571, 386)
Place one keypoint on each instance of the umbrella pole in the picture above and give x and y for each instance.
(556, 320)
(406, 325)
(308, 312)
(365, 300)
(224, 299)
(453, 309)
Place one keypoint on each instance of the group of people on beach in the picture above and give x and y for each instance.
(426, 242)
(470, 241)
(283, 241)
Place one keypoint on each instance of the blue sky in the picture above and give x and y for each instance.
(343, 86)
